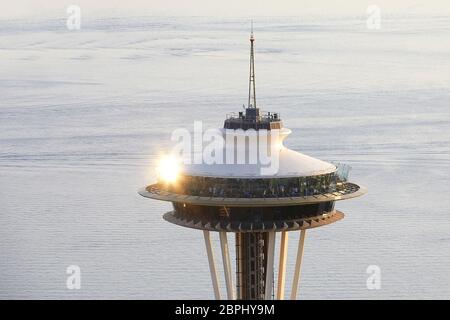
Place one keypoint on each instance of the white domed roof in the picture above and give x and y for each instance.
(288, 163)
(291, 164)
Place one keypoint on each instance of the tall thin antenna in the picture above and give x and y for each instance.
(251, 82)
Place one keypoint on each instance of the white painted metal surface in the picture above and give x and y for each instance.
(282, 265)
(212, 265)
(298, 265)
(287, 162)
(227, 265)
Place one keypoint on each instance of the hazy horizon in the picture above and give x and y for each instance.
(232, 8)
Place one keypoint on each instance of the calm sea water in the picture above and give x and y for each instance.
(84, 114)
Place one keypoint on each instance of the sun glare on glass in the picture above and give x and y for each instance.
(168, 169)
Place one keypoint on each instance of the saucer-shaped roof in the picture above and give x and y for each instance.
(289, 164)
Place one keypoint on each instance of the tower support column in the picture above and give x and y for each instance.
(226, 264)
(212, 265)
(298, 265)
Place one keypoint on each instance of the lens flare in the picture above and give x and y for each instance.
(168, 169)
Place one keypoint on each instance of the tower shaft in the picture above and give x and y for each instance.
(252, 252)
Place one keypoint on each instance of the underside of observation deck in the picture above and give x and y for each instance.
(222, 224)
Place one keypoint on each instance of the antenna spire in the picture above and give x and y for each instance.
(251, 82)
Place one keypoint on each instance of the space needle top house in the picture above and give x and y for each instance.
(254, 200)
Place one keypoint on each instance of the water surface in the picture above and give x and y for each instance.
(84, 114)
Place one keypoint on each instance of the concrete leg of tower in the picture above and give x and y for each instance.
(212, 265)
(298, 265)
(282, 265)
(226, 264)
